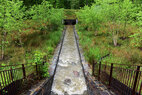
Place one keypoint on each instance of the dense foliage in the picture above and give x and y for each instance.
(29, 25)
(45, 13)
(11, 18)
(25, 30)
(111, 19)
(67, 4)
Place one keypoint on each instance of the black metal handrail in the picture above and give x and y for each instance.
(123, 79)
(12, 80)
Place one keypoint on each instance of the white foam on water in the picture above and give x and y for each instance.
(69, 78)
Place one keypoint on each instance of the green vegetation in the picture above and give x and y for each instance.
(111, 26)
(29, 36)
(67, 4)
(25, 32)
(31, 29)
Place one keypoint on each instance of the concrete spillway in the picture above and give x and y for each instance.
(69, 78)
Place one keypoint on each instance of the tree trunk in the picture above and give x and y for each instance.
(3, 40)
(125, 24)
(2, 49)
(115, 37)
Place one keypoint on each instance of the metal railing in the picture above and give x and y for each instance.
(123, 79)
(12, 77)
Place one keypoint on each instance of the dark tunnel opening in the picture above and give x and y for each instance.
(70, 22)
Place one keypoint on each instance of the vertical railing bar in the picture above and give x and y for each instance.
(24, 72)
(9, 72)
(16, 78)
(13, 76)
(110, 78)
(5, 80)
(140, 89)
(117, 86)
(10, 86)
(2, 79)
(119, 77)
(136, 79)
(132, 80)
(99, 71)
(126, 76)
(1, 83)
(123, 79)
(93, 67)
(128, 83)
(123, 75)
(132, 74)
(36, 69)
(7, 77)
(127, 80)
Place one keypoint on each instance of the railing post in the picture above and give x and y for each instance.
(36, 69)
(93, 68)
(43, 62)
(99, 73)
(24, 72)
(11, 74)
(140, 89)
(136, 80)
(110, 77)
(105, 68)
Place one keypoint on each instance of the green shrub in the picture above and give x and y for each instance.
(38, 58)
(43, 70)
(11, 19)
(90, 17)
(46, 15)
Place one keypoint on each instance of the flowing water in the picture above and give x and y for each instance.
(69, 78)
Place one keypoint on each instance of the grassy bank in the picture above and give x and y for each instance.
(111, 27)
(96, 46)
(34, 40)
(28, 33)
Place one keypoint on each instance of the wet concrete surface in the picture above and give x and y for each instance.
(69, 78)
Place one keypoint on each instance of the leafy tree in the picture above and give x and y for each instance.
(125, 14)
(46, 15)
(74, 4)
(11, 18)
(91, 17)
(117, 13)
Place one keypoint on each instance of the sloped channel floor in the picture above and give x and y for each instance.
(69, 77)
